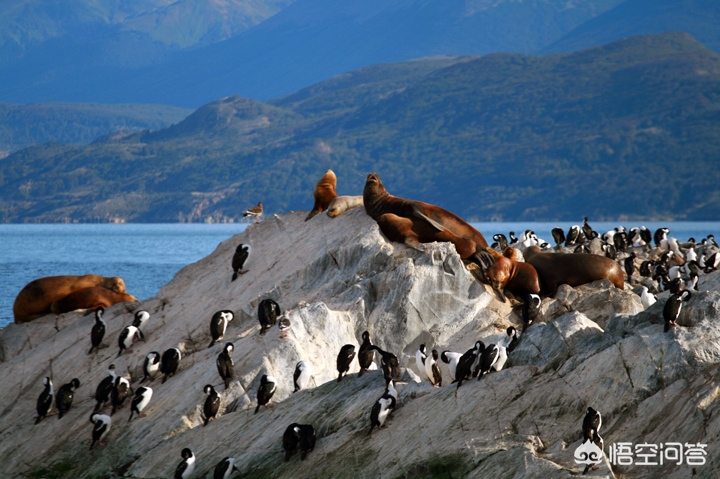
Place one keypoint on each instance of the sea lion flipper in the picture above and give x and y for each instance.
(420, 214)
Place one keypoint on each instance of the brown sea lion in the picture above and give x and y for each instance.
(518, 277)
(341, 204)
(324, 193)
(90, 298)
(35, 298)
(414, 222)
(572, 269)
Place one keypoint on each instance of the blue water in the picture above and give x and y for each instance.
(148, 256)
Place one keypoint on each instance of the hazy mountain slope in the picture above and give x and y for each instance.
(79, 123)
(306, 42)
(700, 18)
(629, 130)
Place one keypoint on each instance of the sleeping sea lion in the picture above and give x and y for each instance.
(35, 298)
(572, 269)
(324, 193)
(90, 298)
(414, 222)
(341, 204)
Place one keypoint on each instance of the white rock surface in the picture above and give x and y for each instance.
(594, 347)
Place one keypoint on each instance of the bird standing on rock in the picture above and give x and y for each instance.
(65, 395)
(284, 324)
(672, 308)
(256, 212)
(591, 427)
(218, 325)
(420, 358)
(366, 354)
(390, 365)
(242, 253)
(301, 376)
(268, 313)
(45, 399)
(140, 401)
(126, 339)
(268, 386)
(140, 320)
(187, 466)
(451, 358)
(151, 366)
(104, 389)
(225, 364)
(98, 330)
(212, 404)
(344, 359)
(169, 363)
(101, 427)
(432, 370)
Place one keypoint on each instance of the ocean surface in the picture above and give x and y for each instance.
(147, 256)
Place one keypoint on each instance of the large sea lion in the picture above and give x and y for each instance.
(324, 193)
(90, 298)
(35, 298)
(572, 269)
(341, 204)
(414, 222)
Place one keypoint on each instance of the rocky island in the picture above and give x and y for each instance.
(591, 346)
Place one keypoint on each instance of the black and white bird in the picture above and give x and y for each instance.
(344, 360)
(451, 358)
(506, 345)
(255, 212)
(587, 230)
(609, 250)
(660, 236)
(591, 428)
(268, 313)
(432, 369)
(672, 308)
(151, 366)
(242, 253)
(390, 365)
(531, 308)
(140, 320)
(104, 389)
(97, 333)
(366, 355)
(126, 339)
(64, 397)
(380, 411)
(487, 360)
(187, 466)
(45, 400)
(298, 436)
(647, 298)
(512, 237)
(501, 241)
(169, 363)
(420, 358)
(212, 404)
(140, 401)
(225, 468)
(120, 392)
(218, 325)
(465, 364)
(101, 427)
(225, 364)
(573, 236)
(268, 386)
(629, 264)
(284, 324)
(301, 376)
(559, 236)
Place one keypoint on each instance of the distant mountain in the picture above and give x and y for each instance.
(630, 130)
(78, 123)
(700, 18)
(135, 61)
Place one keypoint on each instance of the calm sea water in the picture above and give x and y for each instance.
(148, 256)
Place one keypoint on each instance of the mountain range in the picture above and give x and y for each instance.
(629, 130)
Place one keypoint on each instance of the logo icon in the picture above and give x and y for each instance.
(588, 453)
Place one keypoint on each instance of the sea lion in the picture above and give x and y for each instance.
(35, 298)
(90, 298)
(341, 204)
(572, 269)
(324, 193)
(414, 222)
(518, 277)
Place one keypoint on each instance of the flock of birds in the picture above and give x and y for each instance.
(670, 266)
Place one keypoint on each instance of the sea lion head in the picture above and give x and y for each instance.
(498, 274)
(115, 284)
(373, 194)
